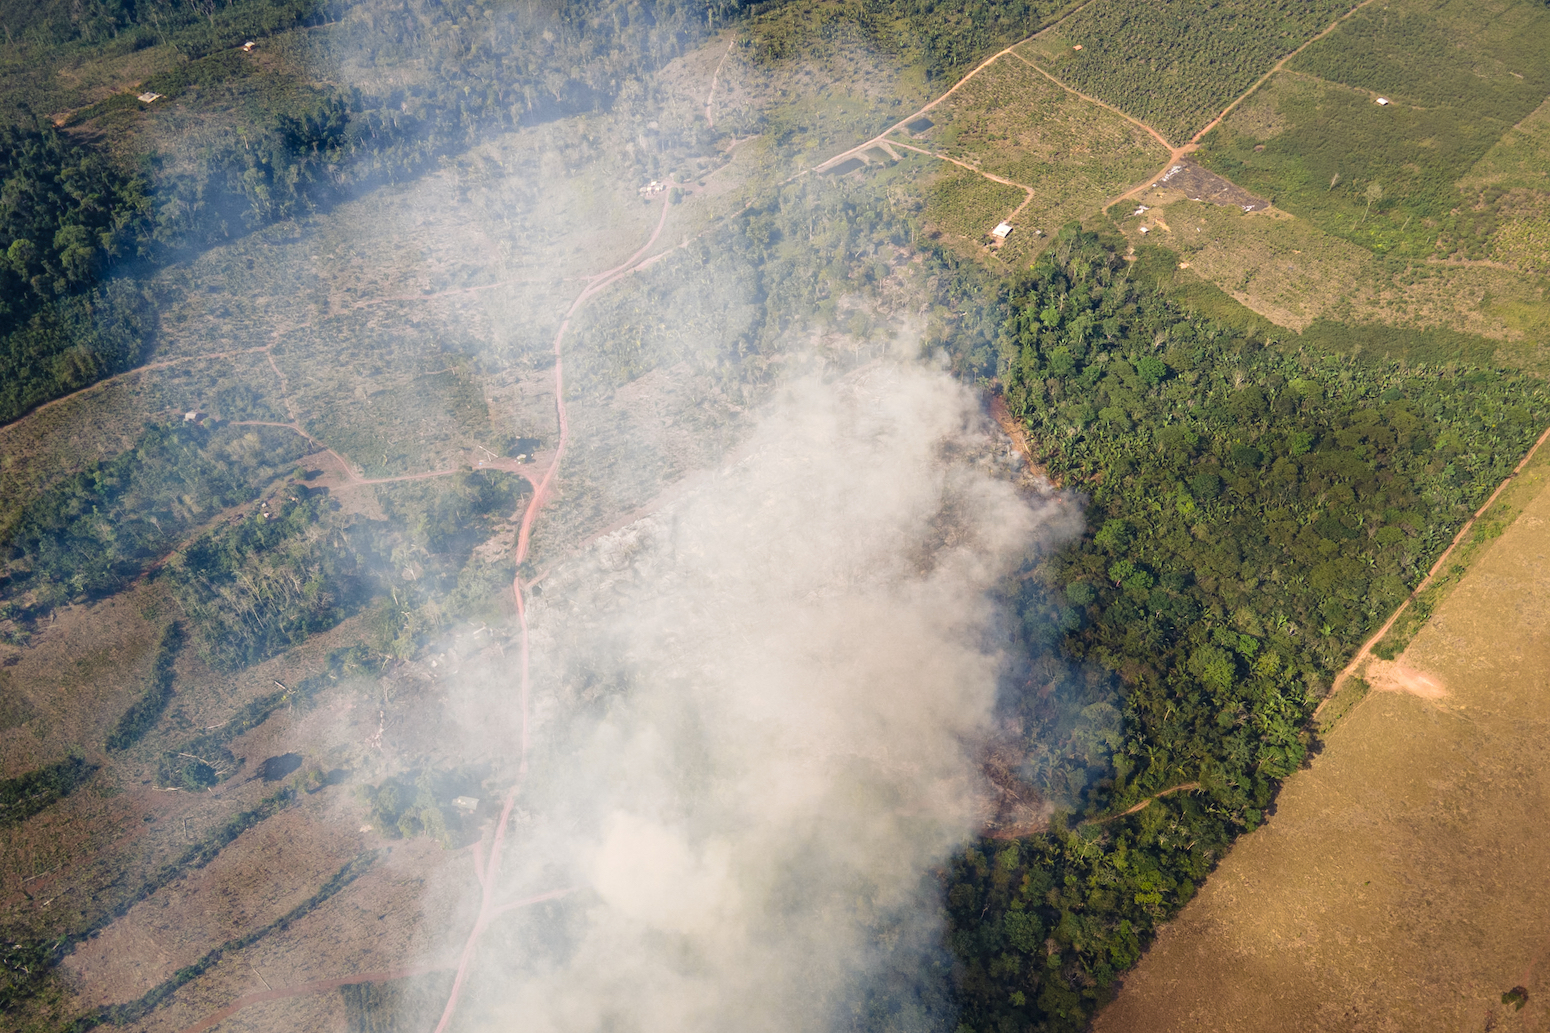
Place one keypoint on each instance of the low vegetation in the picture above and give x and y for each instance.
(1386, 177)
(266, 582)
(91, 534)
(143, 713)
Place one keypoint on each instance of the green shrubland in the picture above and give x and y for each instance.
(91, 534)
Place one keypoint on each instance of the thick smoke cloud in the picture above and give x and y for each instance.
(756, 714)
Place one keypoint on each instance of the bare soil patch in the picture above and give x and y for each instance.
(1201, 184)
(1398, 676)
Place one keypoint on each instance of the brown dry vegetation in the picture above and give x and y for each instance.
(1401, 883)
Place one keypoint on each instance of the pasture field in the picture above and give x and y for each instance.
(1400, 883)
(1176, 65)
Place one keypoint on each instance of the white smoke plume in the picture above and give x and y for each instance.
(755, 720)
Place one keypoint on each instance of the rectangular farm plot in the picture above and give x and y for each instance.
(967, 204)
(1013, 122)
(1177, 65)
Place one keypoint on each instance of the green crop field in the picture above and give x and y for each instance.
(1176, 65)
(1458, 76)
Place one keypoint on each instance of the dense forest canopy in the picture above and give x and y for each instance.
(1255, 509)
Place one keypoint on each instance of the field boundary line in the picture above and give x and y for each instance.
(1365, 652)
(976, 70)
(1331, 27)
(1094, 100)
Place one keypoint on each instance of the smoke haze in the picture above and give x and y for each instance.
(755, 717)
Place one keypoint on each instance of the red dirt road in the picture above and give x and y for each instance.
(489, 873)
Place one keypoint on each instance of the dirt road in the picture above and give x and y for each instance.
(489, 873)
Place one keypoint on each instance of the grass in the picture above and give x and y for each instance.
(1013, 122)
(1294, 274)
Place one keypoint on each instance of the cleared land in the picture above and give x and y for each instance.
(1401, 883)
(1012, 122)
(407, 330)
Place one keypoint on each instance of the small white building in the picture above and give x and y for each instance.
(193, 416)
(466, 804)
(1146, 229)
(247, 48)
(1002, 231)
(1144, 209)
(1383, 101)
(148, 96)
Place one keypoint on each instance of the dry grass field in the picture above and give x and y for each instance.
(1401, 884)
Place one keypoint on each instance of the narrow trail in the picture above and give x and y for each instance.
(714, 79)
(972, 168)
(1193, 143)
(1365, 652)
(1144, 804)
(1331, 27)
(505, 465)
(882, 139)
(489, 873)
